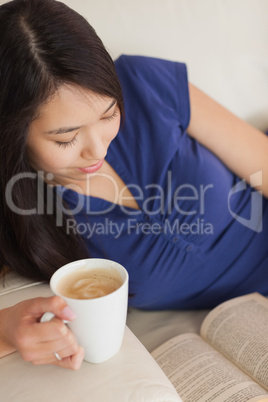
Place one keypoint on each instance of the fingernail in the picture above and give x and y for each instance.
(68, 313)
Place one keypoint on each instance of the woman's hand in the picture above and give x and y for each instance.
(21, 329)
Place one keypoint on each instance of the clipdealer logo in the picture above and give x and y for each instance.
(196, 195)
(256, 209)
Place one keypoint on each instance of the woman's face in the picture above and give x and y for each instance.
(72, 133)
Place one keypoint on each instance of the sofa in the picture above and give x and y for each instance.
(224, 44)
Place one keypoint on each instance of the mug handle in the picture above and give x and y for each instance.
(48, 317)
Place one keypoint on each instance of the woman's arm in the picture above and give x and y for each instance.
(5, 348)
(241, 147)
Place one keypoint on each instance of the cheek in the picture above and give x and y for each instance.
(61, 158)
(51, 157)
(52, 162)
(115, 129)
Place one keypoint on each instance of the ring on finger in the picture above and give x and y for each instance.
(57, 356)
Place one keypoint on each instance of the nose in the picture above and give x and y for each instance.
(94, 149)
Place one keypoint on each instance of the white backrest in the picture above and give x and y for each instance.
(223, 42)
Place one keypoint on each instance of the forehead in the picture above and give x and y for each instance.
(69, 100)
(69, 106)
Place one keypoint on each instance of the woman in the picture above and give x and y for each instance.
(82, 175)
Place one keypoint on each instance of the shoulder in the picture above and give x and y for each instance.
(154, 82)
(149, 68)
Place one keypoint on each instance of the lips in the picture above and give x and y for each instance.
(93, 168)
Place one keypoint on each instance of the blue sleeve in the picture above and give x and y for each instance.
(161, 83)
(157, 113)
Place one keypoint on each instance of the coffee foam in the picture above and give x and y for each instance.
(89, 283)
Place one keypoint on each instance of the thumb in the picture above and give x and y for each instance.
(55, 305)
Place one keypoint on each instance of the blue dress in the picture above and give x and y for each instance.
(201, 234)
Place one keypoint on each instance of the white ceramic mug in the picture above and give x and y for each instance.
(100, 323)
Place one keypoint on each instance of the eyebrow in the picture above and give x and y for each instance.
(64, 130)
(111, 105)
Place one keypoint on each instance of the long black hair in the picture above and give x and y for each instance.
(43, 44)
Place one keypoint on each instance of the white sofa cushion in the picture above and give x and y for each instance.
(223, 42)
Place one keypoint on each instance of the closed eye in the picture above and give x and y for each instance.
(66, 144)
(109, 118)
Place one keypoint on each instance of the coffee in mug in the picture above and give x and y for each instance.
(89, 284)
